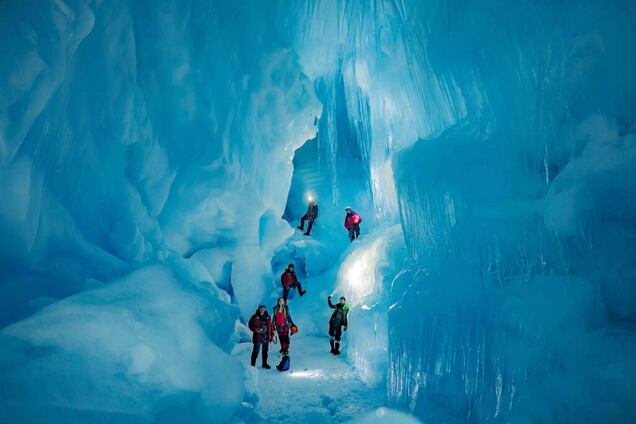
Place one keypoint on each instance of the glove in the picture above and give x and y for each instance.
(345, 328)
(329, 297)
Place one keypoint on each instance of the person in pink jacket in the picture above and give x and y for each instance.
(352, 223)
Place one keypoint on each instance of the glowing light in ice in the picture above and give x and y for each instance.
(307, 374)
(358, 272)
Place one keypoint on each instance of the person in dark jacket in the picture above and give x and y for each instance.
(289, 281)
(262, 334)
(311, 215)
(337, 322)
(352, 223)
(283, 323)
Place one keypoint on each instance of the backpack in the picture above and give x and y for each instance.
(284, 364)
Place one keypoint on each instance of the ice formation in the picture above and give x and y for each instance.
(155, 157)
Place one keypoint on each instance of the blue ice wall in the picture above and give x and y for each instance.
(508, 130)
(132, 138)
(334, 167)
(520, 216)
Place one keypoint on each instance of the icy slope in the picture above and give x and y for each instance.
(140, 349)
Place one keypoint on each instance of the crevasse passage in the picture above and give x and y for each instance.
(156, 156)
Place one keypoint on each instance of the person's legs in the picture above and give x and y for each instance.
(284, 343)
(337, 335)
(356, 229)
(265, 352)
(255, 349)
(311, 225)
(302, 222)
(300, 289)
(285, 293)
(332, 332)
(351, 235)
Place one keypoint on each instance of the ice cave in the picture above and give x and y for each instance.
(158, 156)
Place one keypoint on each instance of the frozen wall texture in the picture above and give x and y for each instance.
(520, 214)
(134, 134)
(146, 156)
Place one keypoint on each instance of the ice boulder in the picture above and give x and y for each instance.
(148, 347)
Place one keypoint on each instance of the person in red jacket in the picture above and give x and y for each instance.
(262, 334)
(284, 325)
(352, 223)
(289, 281)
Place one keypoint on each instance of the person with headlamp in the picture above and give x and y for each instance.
(311, 215)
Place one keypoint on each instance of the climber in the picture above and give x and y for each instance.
(263, 334)
(289, 281)
(284, 325)
(311, 215)
(352, 223)
(337, 321)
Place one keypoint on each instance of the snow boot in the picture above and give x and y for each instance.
(336, 351)
(332, 348)
(300, 227)
(264, 359)
(302, 293)
(307, 234)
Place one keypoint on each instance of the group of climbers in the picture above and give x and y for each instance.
(265, 328)
(280, 326)
(262, 327)
(351, 223)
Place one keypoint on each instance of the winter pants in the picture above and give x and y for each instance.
(354, 232)
(284, 341)
(335, 331)
(258, 345)
(286, 290)
(307, 218)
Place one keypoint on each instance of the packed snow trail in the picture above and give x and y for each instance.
(318, 388)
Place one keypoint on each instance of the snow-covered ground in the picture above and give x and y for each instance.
(318, 388)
